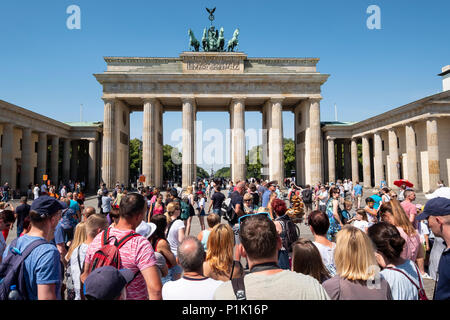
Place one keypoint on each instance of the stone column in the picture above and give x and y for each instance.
(276, 157)
(366, 162)
(54, 161)
(347, 160)
(158, 148)
(148, 141)
(315, 159)
(331, 160)
(393, 155)
(188, 142)
(8, 154)
(109, 144)
(433, 153)
(238, 152)
(355, 162)
(299, 145)
(378, 158)
(26, 175)
(42, 157)
(92, 164)
(265, 141)
(74, 161)
(66, 161)
(411, 154)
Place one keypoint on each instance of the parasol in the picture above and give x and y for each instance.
(400, 182)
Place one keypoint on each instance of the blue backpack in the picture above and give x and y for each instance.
(12, 269)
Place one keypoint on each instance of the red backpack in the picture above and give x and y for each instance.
(108, 254)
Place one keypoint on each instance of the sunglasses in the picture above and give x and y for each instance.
(251, 215)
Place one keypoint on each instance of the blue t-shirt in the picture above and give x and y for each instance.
(358, 189)
(59, 234)
(377, 199)
(266, 198)
(74, 206)
(443, 284)
(42, 266)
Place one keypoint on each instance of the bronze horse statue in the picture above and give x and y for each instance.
(233, 43)
(193, 42)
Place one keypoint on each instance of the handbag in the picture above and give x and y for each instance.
(420, 289)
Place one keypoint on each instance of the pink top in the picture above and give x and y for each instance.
(410, 209)
(411, 247)
(158, 210)
(136, 254)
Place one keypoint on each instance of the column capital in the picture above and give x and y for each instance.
(238, 100)
(312, 100)
(276, 100)
(109, 100)
(331, 138)
(188, 99)
(150, 100)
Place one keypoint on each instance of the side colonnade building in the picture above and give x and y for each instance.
(33, 145)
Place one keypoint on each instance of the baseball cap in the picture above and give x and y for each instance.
(435, 207)
(272, 183)
(106, 283)
(146, 229)
(443, 192)
(46, 206)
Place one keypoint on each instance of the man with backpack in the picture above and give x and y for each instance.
(307, 196)
(30, 262)
(120, 246)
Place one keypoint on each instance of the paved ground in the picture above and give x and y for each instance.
(304, 230)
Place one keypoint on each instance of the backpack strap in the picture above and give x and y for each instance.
(239, 288)
(129, 236)
(25, 253)
(418, 287)
(105, 237)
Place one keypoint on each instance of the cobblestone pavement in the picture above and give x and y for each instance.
(305, 232)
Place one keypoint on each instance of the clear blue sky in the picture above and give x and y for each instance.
(49, 69)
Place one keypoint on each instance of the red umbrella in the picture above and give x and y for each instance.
(400, 182)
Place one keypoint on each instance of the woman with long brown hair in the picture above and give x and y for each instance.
(219, 263)
(306, 259)
(392, 212)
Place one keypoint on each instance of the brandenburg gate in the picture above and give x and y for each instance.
(211, 81)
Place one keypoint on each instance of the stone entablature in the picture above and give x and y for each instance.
(213, 62)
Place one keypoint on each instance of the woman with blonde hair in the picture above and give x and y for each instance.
(189, 197)
(358, 276)
(219, 263)
(392, 212)
(175, 235)
(78, 239)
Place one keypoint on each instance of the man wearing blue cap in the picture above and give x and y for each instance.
(437, 212)
(43, 274)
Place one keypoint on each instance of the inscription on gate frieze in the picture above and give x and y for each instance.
(201, 62)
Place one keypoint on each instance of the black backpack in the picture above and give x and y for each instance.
(12, 269)
(307, 196)
(291, 229)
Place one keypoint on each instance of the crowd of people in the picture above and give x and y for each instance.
(139, 245)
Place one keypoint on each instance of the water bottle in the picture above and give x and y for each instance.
(14, 293)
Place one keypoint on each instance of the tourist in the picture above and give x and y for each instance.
(402, 275)
(385, 194)
(157, 207)
(193, 285)
(159, 243)
(401, 195)
(357, 194)
(322, 198)
(188, 197)
(332, 210)
(26, 226)
(318, 224)
(201, 209)
(355, 260)
(22, 211)
(108, 283)
(72, 275)
(371, 212)
(175, 234)
(212, 220)
(91, 227)
(307, 198)
(136, 254)
(219, 264)
(217, 199)
(287, 231)
(100, 193)
(345, 214)
(36, 191)
(260, 244)
(107, 201)
(6, 190)
(409, 207)
(237, 204)
(87, 212)
(306, 259)
(437, 212)
(393, 213)
(249, 207)
(360, 220)
(6, 221)
(44, 261)
(269, 189)
(254, 192)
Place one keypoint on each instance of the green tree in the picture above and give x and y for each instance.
(223, 173)
(171, 163)
(202, 173)
(135, 158)
(289, 157)
(253, 162)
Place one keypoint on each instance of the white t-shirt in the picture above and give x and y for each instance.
(75, 267)
(36, 192)
(2, 244)
(172, 237)
(327, 255)
(423, 230)
(325, 200)
(184, 289)
(401, 287)
(360, 224)
(201, 202)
